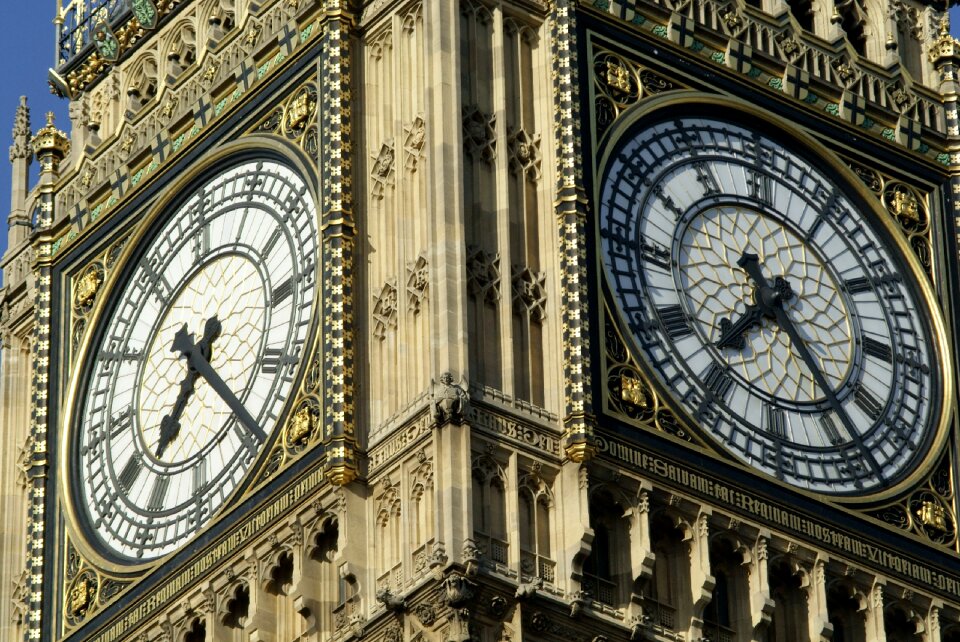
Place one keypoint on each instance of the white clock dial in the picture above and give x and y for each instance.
(775, 314)
(229, 281)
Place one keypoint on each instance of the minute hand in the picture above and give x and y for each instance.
(751, 264)
(184, 344)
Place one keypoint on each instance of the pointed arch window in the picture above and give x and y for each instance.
(606, 571)
(536, 504)
(490, 510)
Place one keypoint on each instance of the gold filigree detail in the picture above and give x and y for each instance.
(907, 205)
(933, 515)
(81, 595)
(302, 425)
(85, 589)
(301, 108)
(621, 83)
(296, 119)
(618, 76)
(86, 288)
(904, 203)
(631, 391)
(85, 291)
(630, 394)
(928, 510)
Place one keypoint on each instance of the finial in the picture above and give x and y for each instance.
(50, 141)
(945, 46)
(21, 133)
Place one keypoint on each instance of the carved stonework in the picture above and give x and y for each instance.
(415, 135)
(479, 134)
(382, 170)
(417, 284)
(524, 154)
(483, 275)
(385, 310)
(21, 148)
(450, 400)
(529, 293)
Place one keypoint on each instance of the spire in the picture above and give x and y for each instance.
(21, 133)
(21, 154)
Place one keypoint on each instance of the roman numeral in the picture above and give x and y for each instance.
(706, 178)
(667, 201)
(273, 359)
(717, 380)
(656, 254)
(776, 421)
(812, 230)
(199, 477)
(674, 322)
(760, 186)
(867, 403)
(120, 423)
(282, 291)
(830, 429)
(271, 242)
(131, 470)
(158, 494)
(877, 349)
(857, 285)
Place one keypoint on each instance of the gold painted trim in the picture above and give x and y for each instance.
(941, 350)
(291, 154)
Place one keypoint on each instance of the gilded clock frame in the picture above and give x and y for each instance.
(680, 98)
(246, 147)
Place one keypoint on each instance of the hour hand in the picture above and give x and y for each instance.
(169, 429)
(732, 332)
(197, 358)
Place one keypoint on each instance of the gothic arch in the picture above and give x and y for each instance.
(141, 84)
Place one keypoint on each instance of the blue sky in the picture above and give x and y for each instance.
(27, 42)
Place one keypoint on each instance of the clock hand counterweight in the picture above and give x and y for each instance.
(765, 300)
(170, 424)
(770, 300)
(199, 362)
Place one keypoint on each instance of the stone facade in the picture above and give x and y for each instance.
(472, 452)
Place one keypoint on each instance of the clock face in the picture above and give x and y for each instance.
(196, 359)
(775, 313)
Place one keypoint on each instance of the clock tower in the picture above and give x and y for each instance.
(485, 320)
